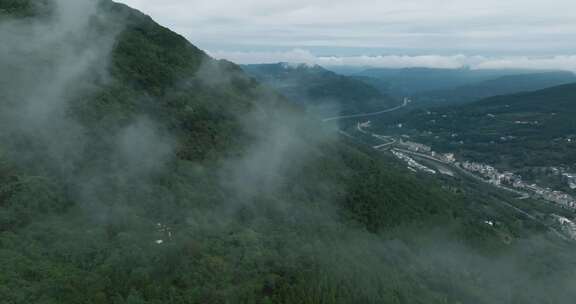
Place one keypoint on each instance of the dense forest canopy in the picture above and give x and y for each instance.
(320, 91)
(136, 169)
(531, 129)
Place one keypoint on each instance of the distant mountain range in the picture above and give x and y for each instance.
(499, 86)
(459, 85)
(321, 91)
(136, 169)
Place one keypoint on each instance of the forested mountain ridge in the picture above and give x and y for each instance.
(136, 169)
(426, 82)
(505, 85)
(521, 132)
(320, 90)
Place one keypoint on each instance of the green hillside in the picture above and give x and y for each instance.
(423, 82)
(521, 131)
(504, 85)
(320, 90)
(136, 169)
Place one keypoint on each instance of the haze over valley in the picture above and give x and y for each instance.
(271, 152)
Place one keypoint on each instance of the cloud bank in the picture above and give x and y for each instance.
(51, 69)
(442, 26)
(559, 62)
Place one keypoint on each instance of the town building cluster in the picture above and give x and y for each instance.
(510, 179)
(506, 180)
(414, 146)
(492, 175)
(412, 164)
(570, 179)
(568, 226)
(445, 157)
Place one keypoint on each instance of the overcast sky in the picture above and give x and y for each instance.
(439, 33)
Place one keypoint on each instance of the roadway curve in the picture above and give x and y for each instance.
(523, 195)
(404, 104)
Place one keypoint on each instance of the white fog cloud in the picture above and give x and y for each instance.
(343, 27)
(560, 62)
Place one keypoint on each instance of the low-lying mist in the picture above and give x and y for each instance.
(267, 222)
